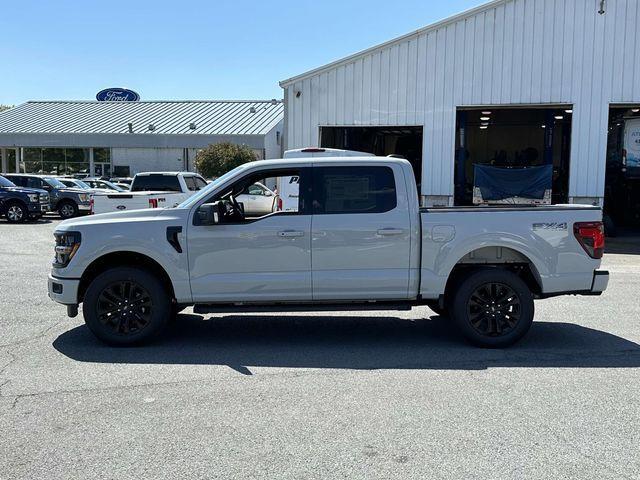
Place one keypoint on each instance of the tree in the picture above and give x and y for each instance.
(5, 107)
(218, 158)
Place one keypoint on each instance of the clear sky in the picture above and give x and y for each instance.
(189, 49)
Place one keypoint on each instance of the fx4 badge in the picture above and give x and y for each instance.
(550, 226)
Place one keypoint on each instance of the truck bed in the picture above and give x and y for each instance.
(541, 236)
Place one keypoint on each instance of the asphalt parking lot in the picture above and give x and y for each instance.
(331, 395)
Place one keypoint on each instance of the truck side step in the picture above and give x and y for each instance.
(300, 307)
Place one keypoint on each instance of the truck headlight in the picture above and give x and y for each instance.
(33, 197)
(67, 244)
(84, 197)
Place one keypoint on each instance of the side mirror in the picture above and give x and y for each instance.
(209, 214)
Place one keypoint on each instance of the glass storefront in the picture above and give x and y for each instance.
(59, 161)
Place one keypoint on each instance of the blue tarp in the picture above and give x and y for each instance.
(500, 183)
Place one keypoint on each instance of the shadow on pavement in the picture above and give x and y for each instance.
(241, 342)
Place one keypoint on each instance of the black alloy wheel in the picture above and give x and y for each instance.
(124, 307)
(494, 309)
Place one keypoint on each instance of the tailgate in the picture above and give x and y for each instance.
(134, 201)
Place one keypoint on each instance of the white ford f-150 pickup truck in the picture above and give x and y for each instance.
(150, 190)
(357, 237)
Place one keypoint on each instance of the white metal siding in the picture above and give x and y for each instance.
(512, 52)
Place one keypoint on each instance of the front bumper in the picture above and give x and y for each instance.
(63, 290)
(600, 281)
(38, 208)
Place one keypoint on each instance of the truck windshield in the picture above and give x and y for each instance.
(54, 182)
(6, 183)
(156, 183)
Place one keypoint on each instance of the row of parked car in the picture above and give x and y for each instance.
(26, 197)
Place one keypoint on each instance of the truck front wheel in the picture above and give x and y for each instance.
(493, 308)
(68, 209)
(126, 306)
(16, 212)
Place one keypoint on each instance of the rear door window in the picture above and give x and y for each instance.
(160, 183)
(344, 190)
(191, 183)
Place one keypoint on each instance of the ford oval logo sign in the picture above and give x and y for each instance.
(117, 95)
(121, 207)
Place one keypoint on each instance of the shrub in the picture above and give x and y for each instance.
(217, 159)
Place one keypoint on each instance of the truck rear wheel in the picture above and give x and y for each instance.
(126, 306)
(493, 307)
(16, 212)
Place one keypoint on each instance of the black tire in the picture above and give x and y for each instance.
(16, 212)
(492, 307)
(434, 305)
(126, 306)
(67, 209)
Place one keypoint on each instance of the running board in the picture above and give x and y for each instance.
(301, 307)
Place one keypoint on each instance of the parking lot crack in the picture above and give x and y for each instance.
(33, 338)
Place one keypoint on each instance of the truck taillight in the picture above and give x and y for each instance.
(153, 203)
(91, 205)
(590, 235)
(279, 204)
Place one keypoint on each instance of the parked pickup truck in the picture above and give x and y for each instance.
(150, 190)
(68, 202)
(18, 204)
(372, 247)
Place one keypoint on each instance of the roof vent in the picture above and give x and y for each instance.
(274, 101)
(192, 126)
(252, 110)
(151, 127)
(130, 126)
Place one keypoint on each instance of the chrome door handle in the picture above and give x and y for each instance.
(390, 231)
(291, 233)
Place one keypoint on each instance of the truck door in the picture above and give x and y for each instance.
(360, 237)
(260, 258)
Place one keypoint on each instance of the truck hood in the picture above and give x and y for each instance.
(117, 219)
(25, 190)
(73, 190)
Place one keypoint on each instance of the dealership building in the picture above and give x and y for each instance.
(122, 138)
(511, 84)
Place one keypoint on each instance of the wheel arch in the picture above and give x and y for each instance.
(496, 256)
(123, 259)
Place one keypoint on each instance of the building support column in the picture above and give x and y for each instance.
(18, 158)
(3, 157)
(92, 171)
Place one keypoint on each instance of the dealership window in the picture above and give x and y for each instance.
(403, 141)
(514, 142)
(55, 161)
(11, 160)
